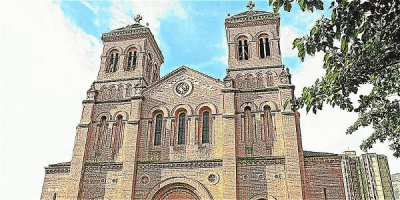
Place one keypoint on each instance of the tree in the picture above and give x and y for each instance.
(361, 44)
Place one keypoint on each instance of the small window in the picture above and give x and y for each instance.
(55, 196)
(181, 128)
(132, 57)
(158, 130)
(205, 130)
(264, 47)
(243, 49)
(113, 61)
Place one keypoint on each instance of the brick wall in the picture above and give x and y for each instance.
(324, 179)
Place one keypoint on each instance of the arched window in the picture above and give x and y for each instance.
(243, 49)
(113, 61)
(116, 137)
(205, 127)
(155, 73)
(149, 66)
(248, 124)
(181, 128)
(132, 57)
(158, 130)
(270, 80)
(268, 124)
(264, 46)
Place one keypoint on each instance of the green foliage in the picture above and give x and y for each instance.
(360, 41)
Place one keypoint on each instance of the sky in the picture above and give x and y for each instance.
(50, 54)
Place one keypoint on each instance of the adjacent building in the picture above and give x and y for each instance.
(396, 185)
(190, 136)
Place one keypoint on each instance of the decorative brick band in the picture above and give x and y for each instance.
(260, 161)
(57, 170)
(181, 165)
(104, 166)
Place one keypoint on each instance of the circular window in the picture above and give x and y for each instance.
(145, 179)
(213, 178)
(183, 88)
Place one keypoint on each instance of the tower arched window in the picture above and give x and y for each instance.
(205, 126)
(149, 66)
(268, 124)
(243, 49)
(181, 128)
(264, 46)
(132, 58)
(113, 61)
(158, 129)
(248, 124)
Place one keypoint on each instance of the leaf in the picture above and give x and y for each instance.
(314, 30)
(343, 44)
(287, 7)
(302, 4)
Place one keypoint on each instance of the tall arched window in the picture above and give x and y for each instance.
(132, 57)
(243, 49)
(205, 127)
(248, 124)
(268, 124)
(181, 128)
(116, 137)
(149, 66)
(113, 61)
(158, 130)
(264, 46)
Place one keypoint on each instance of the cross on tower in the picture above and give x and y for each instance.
(251, 5)
(138, 18)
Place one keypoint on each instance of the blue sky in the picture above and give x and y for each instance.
(197, 38)
(62, 48)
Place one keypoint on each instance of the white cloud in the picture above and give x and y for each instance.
(123, 13)
(47, 66)
(325, 131)
(288, 34)
(91, 7)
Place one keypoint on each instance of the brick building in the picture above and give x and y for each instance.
(189, 136)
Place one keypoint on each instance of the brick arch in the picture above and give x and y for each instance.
(133, 46)
(124, 114)
(252, 105)
(263, 197)
(271, 104)
(213, 107)
(188, 108)
(106, 114)
(198, 189)
(248, 35)
(163, 109)
(269, 33)
(119, 49)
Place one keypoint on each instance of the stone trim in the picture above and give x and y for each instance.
(254, 68)
(118, 80)
(260, 160)
(268, 89)
(180, 165)
(104, 166)
(58, 169)
(114, 101)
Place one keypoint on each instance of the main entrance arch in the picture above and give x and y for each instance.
(179, 188)
(177, 191)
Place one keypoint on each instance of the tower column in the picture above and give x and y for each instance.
(81, 142)
(131, 145)
(229, 148)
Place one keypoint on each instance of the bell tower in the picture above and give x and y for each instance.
(266, 127)
(130, 52)
(253, 39)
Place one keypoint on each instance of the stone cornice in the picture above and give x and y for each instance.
(104, 166)
(119, 80)
(271, 160)
(181, 165)
(58, 169)
(254, 68)
(126, 100)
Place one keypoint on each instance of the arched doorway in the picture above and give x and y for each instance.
(177, 191)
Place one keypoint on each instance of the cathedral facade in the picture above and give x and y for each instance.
(190, 136)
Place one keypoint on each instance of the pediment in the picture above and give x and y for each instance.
(182, 79)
